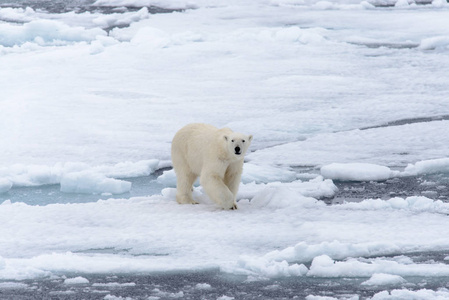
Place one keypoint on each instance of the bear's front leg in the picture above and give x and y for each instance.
(217, 191)
(232, 177)
(184, 188)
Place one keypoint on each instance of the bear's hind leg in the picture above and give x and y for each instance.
(184, 188)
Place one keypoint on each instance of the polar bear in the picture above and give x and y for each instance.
(215, 155)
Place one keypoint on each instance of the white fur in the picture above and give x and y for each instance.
(202, 150)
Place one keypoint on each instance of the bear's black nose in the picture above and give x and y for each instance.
(237, 150)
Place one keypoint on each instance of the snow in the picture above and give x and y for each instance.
(331, 91)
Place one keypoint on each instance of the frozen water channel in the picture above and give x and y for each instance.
(344, 193)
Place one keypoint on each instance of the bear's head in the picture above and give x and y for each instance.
(237, 144)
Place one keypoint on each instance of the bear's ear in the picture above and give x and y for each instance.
(250, 138)
(225, 137)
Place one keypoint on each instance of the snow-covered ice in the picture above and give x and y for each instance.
(332, 91)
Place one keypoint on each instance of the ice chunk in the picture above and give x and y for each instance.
(5, 185)
(203, 286)
(114, 284)
(46, 32)
(168, 178)
(427, 167)
(88, 182)
(76, 280)
(357, 172)
(384, 279)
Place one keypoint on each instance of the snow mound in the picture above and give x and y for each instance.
(5, 185)
(357, 172)
(93, 183)
(384, 279)
(438, 42)
(46, 32)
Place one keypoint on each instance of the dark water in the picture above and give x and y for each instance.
(79, 6)
(204, 285)
(433, 186)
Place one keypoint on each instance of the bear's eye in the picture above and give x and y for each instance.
(232, 141)
(243, 141)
